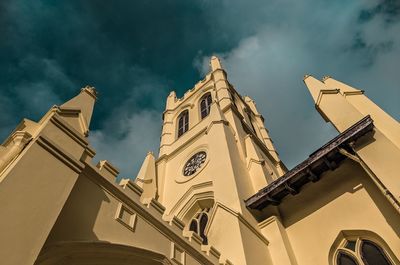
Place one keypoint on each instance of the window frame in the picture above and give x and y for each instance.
(357, 254)
(207, 99)
(182, 129)
(201, 231)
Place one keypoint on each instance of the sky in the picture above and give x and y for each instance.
(136, 52)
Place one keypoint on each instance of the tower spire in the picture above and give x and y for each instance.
(84, 102)
(314, 86)
(215, 63)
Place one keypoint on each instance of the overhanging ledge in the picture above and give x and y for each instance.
(325, 158)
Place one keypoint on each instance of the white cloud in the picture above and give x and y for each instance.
(292, 38)
(127, 145)
(132, 128)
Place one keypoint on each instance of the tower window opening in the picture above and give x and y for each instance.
(205, 105)
(183, 123)
(203, 223)
(193, 226)
(198, 224)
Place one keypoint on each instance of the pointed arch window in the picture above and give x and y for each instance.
(198, 224)
(360, 251)
(183, 122)
(205, 105)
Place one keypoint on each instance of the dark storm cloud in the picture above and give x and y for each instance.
(49, 49)
(135, 52)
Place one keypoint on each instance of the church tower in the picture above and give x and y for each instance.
(214, 152)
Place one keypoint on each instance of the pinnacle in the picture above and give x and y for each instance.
(91, 90)
(215, 63)
(314, 86)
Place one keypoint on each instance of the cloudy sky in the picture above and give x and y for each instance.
(135, 52)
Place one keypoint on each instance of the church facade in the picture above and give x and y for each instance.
(217, 192)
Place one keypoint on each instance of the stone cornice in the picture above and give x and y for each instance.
(60, 153)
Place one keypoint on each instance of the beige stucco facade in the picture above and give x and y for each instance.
(217, 192)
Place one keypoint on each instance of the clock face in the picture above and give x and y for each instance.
(194, 163)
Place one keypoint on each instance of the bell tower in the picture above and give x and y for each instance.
(214, 152)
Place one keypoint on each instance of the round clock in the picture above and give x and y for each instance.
(194, 163)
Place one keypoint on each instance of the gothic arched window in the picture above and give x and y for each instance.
(345, 259)
(183, 122)
(198, 224)
(373, 254)
(360, 251)
(205, 105)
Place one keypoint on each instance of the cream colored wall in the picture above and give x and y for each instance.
(379, 152)
(345, 199)
(224, 179)
(90, 215)
(35, 186)
(25, 196)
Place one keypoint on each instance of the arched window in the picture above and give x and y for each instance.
(205, 105)
(183, 123)
(202, 226)
(360, 251)
(199, 223)
(373, 254)
(345, 259)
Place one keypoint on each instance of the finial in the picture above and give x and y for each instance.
(91, 90)
(326, 77)
(215, 63)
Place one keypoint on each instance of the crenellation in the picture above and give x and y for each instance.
(193, 237)
(108, 170)
(211, 251)
(133, 190)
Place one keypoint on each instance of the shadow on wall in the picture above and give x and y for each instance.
(99, 253)
(78, 217)
(348, 178)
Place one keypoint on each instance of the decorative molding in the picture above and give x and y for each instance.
(190, 195)
(69, 130)
(210, 250)
(241, 219)
(255, 161)
(13, 147)
(132, 186)
(325, 91)
(192, 236)
(60, 153)
(178, 255)
(156, 205)
(73, 112)
(268, 221)
(125, 216)
(351, 93)
(223, 122)
(106, 166)
(91, 90)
